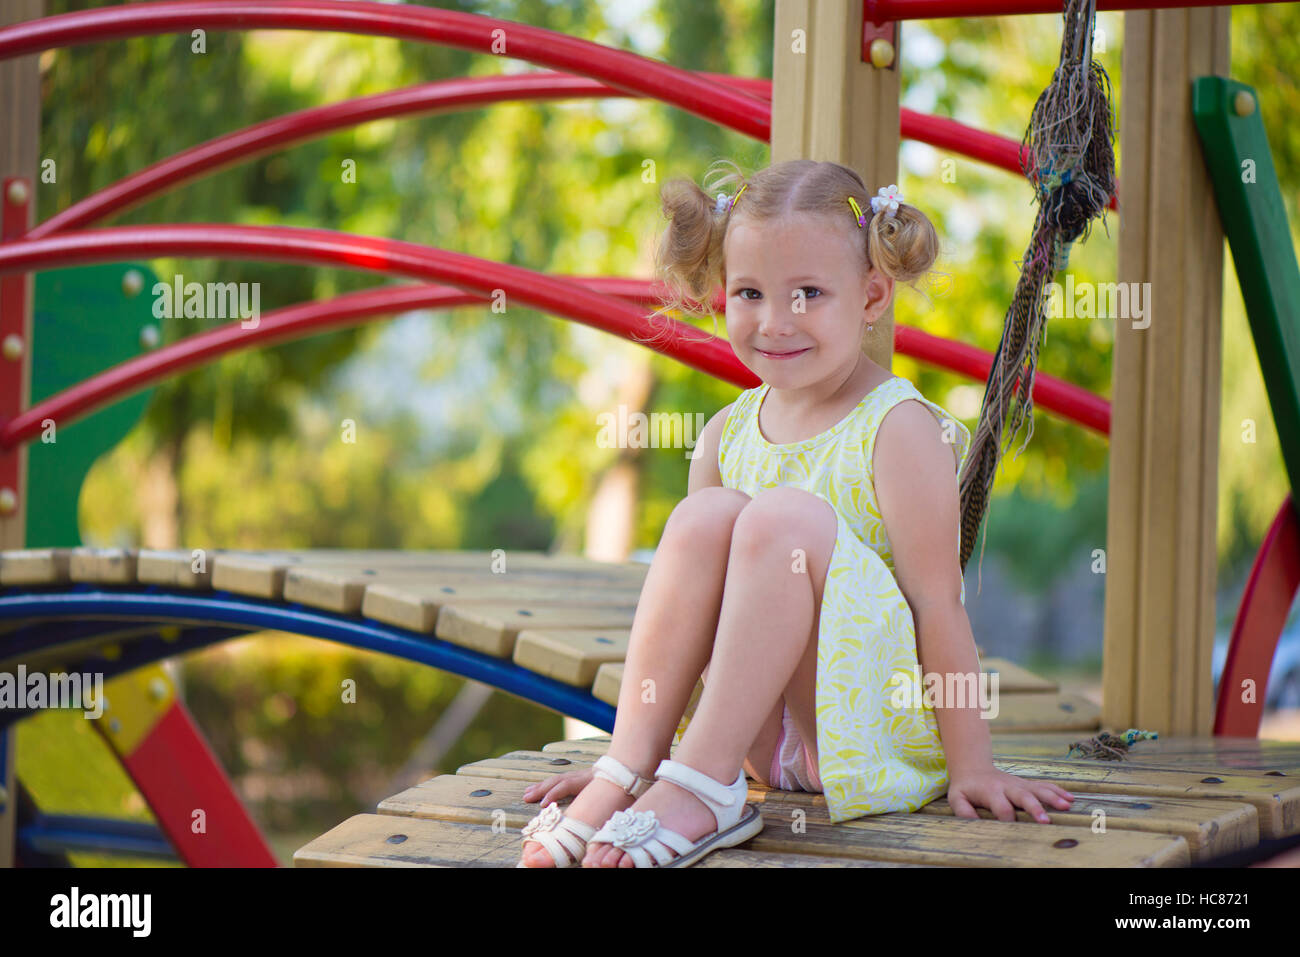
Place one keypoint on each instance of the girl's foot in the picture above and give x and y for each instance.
(676, 808)
(593, 805)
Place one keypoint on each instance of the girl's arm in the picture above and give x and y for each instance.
(704, 466)
(915, 478)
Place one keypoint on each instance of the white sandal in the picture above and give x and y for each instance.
(641, 835)
(559, 833)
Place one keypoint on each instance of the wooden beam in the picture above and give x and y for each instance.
(827, 104)
(1164, 443)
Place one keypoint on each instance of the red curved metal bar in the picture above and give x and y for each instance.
(396, 257)
(880, 11)
(314, 318)
(1265, 603)
(467, 31)
(293, 128)
(943, 133)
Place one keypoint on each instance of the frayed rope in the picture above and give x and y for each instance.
(1109, 747)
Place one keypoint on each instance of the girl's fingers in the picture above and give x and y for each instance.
(1026, 800)
(960, 806)
(1053, 793)
(1001, 807)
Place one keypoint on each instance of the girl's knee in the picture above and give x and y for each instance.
(706, 511)
(786, 516)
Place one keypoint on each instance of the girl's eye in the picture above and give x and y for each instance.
(805, 289)
(742, 292)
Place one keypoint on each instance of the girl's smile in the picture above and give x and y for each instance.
(781, 355)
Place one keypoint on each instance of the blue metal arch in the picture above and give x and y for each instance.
(231, 615)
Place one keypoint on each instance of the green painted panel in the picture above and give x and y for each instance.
(85, 320)
(1254, 219)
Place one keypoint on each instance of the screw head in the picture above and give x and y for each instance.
(1243, 103)
(8, 501)
(882, 53)
(149, 337)
(157, 689)
(17, 192)
(132, 283)
(13, 347)
(115, 725)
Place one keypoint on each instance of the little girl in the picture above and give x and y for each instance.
(813, 567)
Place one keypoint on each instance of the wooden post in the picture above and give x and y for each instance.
(20, 107)
(828, 104)
(1164, 442)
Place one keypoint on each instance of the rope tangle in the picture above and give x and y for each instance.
(1071, 161)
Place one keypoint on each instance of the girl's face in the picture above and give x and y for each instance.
(798, 300)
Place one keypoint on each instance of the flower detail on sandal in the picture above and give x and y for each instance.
(629, 828)
(547, 820)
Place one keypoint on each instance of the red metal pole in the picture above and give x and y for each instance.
(15, 217)
(293, 128)
(880, 11)
(307, 319)
(290, 129)
(395, 257)
(619, 68)
(1265, 603)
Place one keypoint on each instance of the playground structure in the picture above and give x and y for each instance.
(120, 612)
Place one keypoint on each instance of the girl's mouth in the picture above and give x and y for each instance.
(781, 355)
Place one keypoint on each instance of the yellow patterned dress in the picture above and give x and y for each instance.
(873, 755)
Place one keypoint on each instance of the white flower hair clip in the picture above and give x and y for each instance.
(887, 198)
(725, 202)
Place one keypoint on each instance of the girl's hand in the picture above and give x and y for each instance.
(1002, 793)
(557, 786)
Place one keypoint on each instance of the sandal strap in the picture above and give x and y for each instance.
(721, 800)
(614, 770)
(568, 835)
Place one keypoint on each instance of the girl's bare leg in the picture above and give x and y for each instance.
(671, 640)
(765, 650)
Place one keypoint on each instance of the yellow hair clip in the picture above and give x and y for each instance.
(857, 210)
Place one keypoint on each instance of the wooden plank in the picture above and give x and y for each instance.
(34, 566)
(105, 566)
(899, 838)
(492, 628)
(341, 586)
(1210, 755)
(416, 606)
(570, 655)
(1012, 678)
(1045, 711)
(379, 840)
(609, 678)
(263, 574)
(1210, 827)
(1276, 799)
(466, 799)
(367, 840)
(175, 568)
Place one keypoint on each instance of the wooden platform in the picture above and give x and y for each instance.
(1171, 803)
(564, 617)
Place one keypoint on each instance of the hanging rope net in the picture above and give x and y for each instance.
(1071, 162)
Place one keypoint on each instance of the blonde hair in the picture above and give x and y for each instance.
(689, 256)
